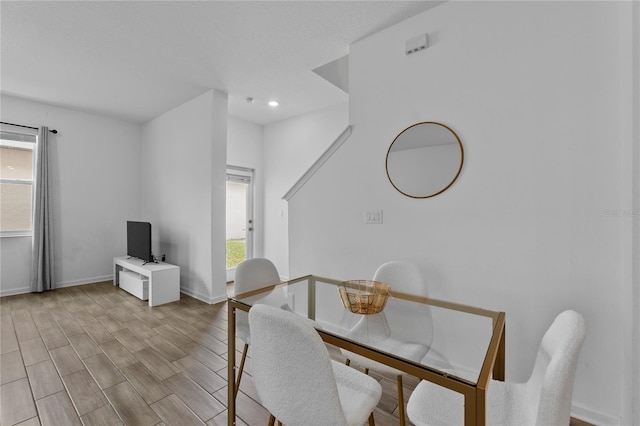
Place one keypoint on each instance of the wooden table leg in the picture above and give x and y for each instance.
(471, 417)
(231, 364)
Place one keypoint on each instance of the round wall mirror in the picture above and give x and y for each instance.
(424, 160)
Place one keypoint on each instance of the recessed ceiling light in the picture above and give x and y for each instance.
(273, 103)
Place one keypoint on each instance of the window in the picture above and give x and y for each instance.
(16, 181)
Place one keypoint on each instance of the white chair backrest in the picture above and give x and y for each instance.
(408, 322)
(254, 273)
(292, 369)
(402, 276)
(551, 381)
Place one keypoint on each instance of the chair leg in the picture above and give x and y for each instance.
(279, 423)
(244, 357)
(400, 401)
(272, 420)
(372, 422)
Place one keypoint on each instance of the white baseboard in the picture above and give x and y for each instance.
(62, 284)
(84, 281)
(218, 299)
(202, 297)
(594, 417)
(14, 291)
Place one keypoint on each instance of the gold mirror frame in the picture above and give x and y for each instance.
(412, 128)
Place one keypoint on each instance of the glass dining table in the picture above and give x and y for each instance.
(466, 344)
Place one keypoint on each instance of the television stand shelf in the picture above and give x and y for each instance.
(159, 282)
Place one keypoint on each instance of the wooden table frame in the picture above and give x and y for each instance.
(474, 393)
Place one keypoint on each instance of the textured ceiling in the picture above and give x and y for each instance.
(138, 59)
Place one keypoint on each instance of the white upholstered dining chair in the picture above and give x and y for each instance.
(296, 379)
(252, 274)
(543, 400)
(407, 332)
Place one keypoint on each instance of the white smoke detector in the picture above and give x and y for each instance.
(416, 44)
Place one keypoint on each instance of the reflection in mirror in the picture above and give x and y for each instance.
(424, 160)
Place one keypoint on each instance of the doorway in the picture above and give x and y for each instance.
(239, 222)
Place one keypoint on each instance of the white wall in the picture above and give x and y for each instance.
(630, 123)
(96, 186)
(183, 191)
(291, 147)
(536, 92)
(245, 149)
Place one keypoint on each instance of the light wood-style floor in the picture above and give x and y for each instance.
(96, 355)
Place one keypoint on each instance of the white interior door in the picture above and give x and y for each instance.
(240, 223)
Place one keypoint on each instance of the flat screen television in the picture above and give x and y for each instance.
(139, 240)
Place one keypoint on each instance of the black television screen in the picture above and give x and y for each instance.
(139, 240)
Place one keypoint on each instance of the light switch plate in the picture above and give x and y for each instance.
(373, 217)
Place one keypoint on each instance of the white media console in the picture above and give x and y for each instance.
(157, 282)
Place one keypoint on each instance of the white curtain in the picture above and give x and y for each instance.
(42, 268)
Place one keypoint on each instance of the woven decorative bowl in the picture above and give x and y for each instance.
(364, 296)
